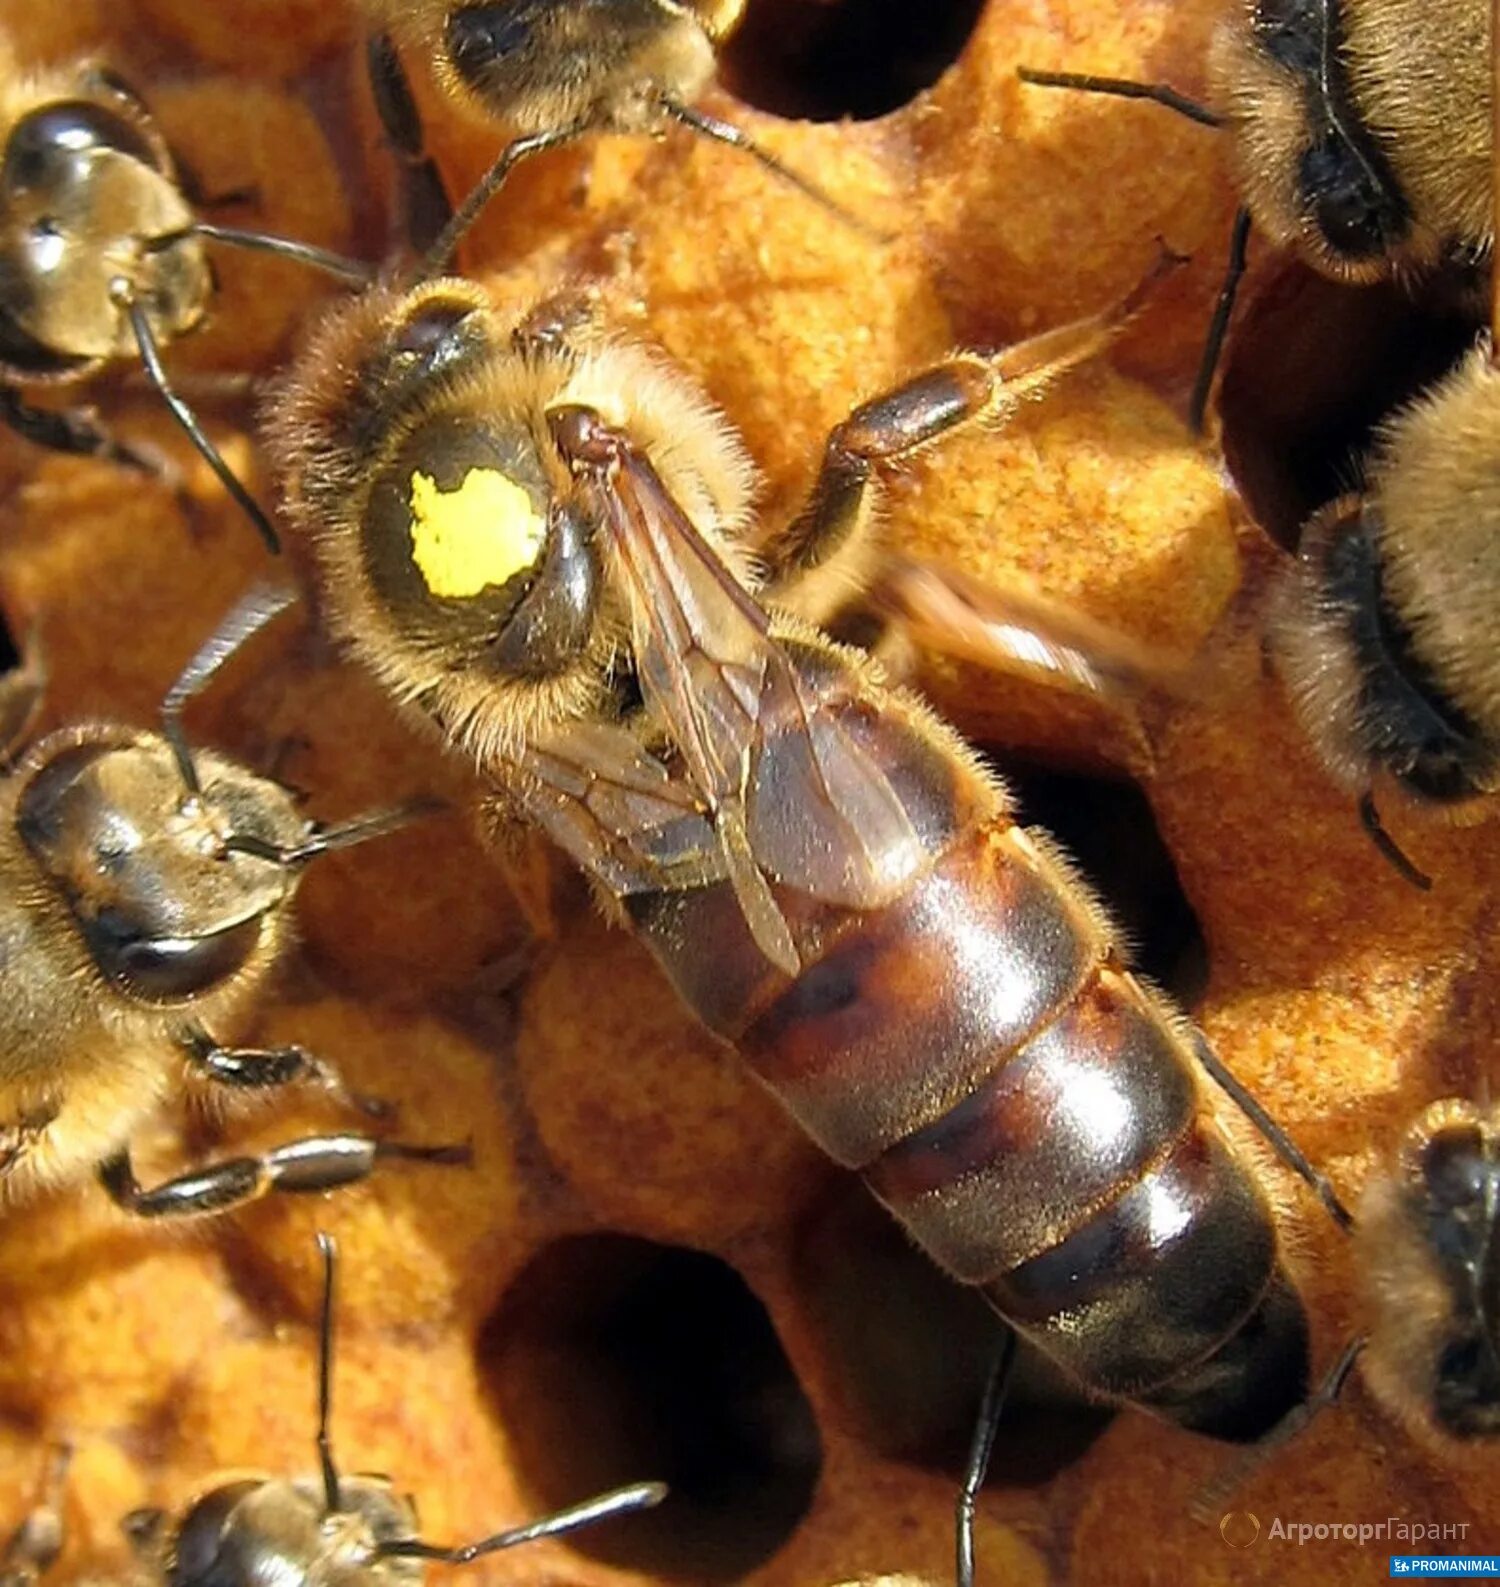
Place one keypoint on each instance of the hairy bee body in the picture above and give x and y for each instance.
(1429, 1236)
(145, 897)
(248, 1527)
(89, 197)
(533, 65)
(538, 539)
(1360, 129)
(979, 1053)
(1384, 626)
(121, 929)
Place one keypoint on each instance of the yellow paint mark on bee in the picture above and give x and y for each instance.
(481, 534)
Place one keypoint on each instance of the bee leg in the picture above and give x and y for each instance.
(1276, 1137)
(439, 257)
(978, 1464)
(424, 200)
(834, 524)
(32, 1549)
(73, 431)
(550, 325)
(307, 1166)
(1208, 1502)
(22, 690)
(260, 1068)
(831, 534)
(1218, 326)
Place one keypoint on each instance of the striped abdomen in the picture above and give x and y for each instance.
(1031, 1115)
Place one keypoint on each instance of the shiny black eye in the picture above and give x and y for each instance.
(195, 1554)
(43, 806)
(1291, 32)
(441, 336)
(167, 969)
(424, 334)
(55, 134)
(480, 37)
(1468, 1388)
(1358, 214)
(1455, 1166)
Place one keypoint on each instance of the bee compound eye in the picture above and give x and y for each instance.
(1454, 1166)
(160, 969)
(427, 329)
(1358, 218)
(58, 135)
(555, 618)
(198, 1548)
(480, 37)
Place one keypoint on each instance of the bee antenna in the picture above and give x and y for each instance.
(329, 840)
(602, 1507)
(1124, 88)
(354, 272)
(246, 619)
(145, 340)
(1211, 1496)
(1218, 327)
(1369, 818)
(439, 256)
(726, 132)
(332, 1499)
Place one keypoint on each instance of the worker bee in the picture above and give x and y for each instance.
(1428, 1235)
(554, 73)
(1424, 1238)
(145, 893)
(102, 257)
(250, 1528)
(1382, 628)
(539, 539)
(1359, 133)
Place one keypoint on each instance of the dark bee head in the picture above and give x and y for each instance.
(250, 1531)
(1313, 175)
(1382, 628)
(1451, 1168)
(168, 909)
(88, 194)
(541, 64)
(455, 552)
(370, 363)
(1429, 1236)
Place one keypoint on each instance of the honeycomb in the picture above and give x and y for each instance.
(647, 1271)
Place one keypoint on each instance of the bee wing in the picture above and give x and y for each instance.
(616, 811)
(790, 792)
(1017, 631)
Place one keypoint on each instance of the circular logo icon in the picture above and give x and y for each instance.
(1240, 1529)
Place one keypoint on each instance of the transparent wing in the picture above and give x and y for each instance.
(790, 793)
(617, 812)
(1017, 631)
